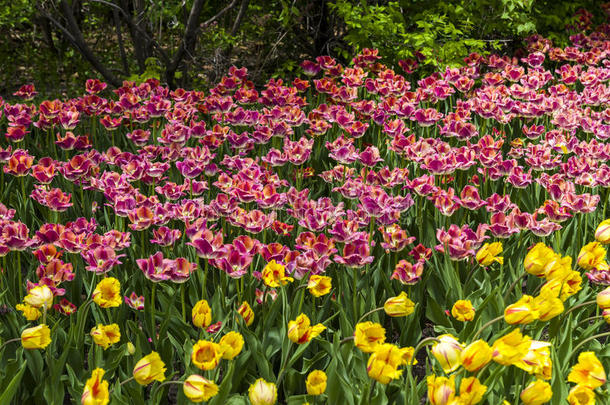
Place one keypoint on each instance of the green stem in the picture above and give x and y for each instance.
(485, 326)
(152, 313)
(578, 346)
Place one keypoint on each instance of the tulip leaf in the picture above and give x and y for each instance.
(11, 389)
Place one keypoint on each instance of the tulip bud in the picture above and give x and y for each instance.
(199, 389)
(316, 382)
(602, 233)
(150, 368)
(475, 355)
(246, 312)
(537, 258)
(399, 306)
(131, 349)
(537, 393)
(447, 352)
(603, 298)
(37, 337)
(521, 312)
(262, 393)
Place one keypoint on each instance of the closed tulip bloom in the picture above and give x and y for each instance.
(537, 258)
(37, 337)
(319, 285)
(602, 233)
(488, 254)
(150, 368)
(274, 275)
(206, 355)
(548, 306)
(536, 393)
(96, 389)
(441, 390)
(199, 389)
(384, 362)
(603, 298)
(107, 293)
(316, 382)
(202, 314)
(262, 393)
(557, 267)
(399, 306)
(246, 313)
(368, 336)
(39, 297)
(475, 355)
(106, 335)
(591, 256)
(231, 345)
(510, 348)
(463, 311)
(588, 372)
(581, 395)
(566, 286)
(521, 312)
(300, 330)
(447, 352)
(471, 391)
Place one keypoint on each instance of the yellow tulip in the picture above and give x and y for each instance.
(319, 285)
(368, 335)
(471, 391)
(199, 389)
(537, 360)
(603, 298)
(316, 382)
(581, 395)
(462, 310)
(602, 233)
(588, 372)
(384, 362)
(510, 348)
(591, 255)
(548, 306)
(262, 393)
(447, 352)
(274, 276)
(399, 306)
(521, 312)
(441, 390)
(536, 393)
(300, 330)
(488, 254)
(107, 293)
(246, 313)
(29, 312)
(475, 355)
(206, 355)
(96, 389)
(231, 345)
(201, 314)
(537, 258)
(37, 337)
(150, 368)
(106, 335)
(39, 297)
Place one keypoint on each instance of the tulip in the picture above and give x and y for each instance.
(462, 310)
(521, 312)
(488, 254)
(40, 297)
(588, 372)
(591, 256)
(300, 330)
(510, 348)
(537, 258)
(231, 345)
(273, 275)
(206, 355)
(96, 389)
(441, 390)
(29, 312)
(536, 393)
(106, 335)
(37, 337)
(548, 306)
(385, 360)
(399, 306)
(537, 360)
(316, 382)
(475, 355)
(319, 285)
(246, 313)
(603, 298)
(447, 352)
(602, 233)
(581, 395)
(368, 335)
(202, 314)
(150, 368)
(107, 293)
(199, 389)
(471, 391)
(262, 392)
